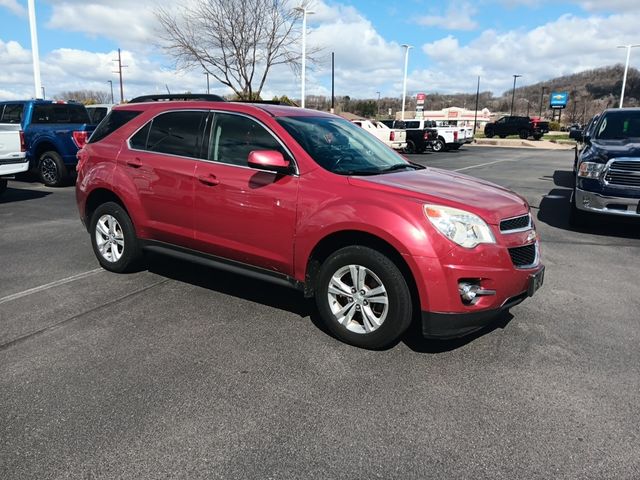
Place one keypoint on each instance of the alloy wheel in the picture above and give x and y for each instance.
(109, 238)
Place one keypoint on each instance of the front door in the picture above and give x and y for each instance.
(242, 213)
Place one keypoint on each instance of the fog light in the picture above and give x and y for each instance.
(470, 290)
(586, 200)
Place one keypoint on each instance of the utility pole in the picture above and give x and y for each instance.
(378, 105)
(110, 82)
(626, 69)
(541, 99)
(119, 72)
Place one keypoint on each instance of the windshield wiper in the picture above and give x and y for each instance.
(397, 166)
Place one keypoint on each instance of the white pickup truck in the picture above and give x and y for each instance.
(12, 153)
(449, 137)
(393, 137)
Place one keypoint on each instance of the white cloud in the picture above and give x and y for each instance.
(458, 16)
(14, 7)
(609, 5)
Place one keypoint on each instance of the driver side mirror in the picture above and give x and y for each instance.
(271, 160)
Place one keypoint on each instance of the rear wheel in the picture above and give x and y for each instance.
(363, 297)
(52, 169)
(114, 239)
(410, 148)
(439, 145)
(524, 134)
(537, 136)
(489, 133)
(502, 136)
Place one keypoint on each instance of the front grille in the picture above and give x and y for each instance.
(523, 256)
(516, 223)
(625, 173)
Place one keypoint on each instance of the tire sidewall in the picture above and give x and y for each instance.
(61, 170)
(438, 146)
(400, 306)
(131, 251)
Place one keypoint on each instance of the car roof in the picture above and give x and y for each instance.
(271, 109)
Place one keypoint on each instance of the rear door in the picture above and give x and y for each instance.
(161, 162)
(242, 213)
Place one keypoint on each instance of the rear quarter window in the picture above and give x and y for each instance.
(60, 113)
(112, 122)
(11, 113)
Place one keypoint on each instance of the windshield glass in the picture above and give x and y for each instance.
(619, 125)
(342, 147)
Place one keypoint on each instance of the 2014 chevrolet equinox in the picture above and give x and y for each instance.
(309, 200)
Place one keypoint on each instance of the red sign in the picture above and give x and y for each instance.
(420, 98)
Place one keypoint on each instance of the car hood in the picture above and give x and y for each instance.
(606, 149)
(485, 199)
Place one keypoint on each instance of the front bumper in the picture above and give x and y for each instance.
(607, 204)
(445, 325)
(13, 166)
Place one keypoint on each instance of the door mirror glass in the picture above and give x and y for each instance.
(269, 160)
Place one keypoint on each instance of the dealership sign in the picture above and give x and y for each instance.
(558, 99)
(420, 97)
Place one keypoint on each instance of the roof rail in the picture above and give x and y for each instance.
(184, 96)
(266, 102)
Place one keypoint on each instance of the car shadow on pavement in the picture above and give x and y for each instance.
(414, 339)
(21, 194)
(555, 208)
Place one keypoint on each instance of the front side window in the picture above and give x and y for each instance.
(174, 133)
(12, 113)
(341, 147)
(233, 137)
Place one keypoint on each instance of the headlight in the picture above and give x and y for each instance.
(463, 228)
(590, 169)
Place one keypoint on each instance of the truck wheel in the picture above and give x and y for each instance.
(577, 217)
(3, 186)
(51, 169)
(410, 148)
(363, 298)
(439, 146)
(113, 238)
(524, 134)
(502, 136)
(537, 136)
(489, 133)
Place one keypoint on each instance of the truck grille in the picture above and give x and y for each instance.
(624, 173)
(523, 256)
(516, 223)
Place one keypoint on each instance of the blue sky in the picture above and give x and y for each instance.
(453, 42)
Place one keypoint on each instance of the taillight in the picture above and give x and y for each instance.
(426, 135)
(80, 138)
(23, 145)
(392, 137)
(455, 136)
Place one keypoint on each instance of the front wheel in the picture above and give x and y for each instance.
(52, 169)
(113, 238)
(363, 298)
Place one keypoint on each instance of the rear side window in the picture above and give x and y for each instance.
(60, 113)
(12, 113)
(174, 133)
(113, 121)
(412, 124)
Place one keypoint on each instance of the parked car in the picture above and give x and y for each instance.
(98, 111)
(307, 200)
(607, 178)
(393, 137)
(524, 127)
(418, 139)
(53, 132)
(13, 158)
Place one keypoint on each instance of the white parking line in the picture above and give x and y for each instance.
(47, 286)
(484, 164)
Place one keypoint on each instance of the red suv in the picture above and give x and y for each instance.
(308, 200)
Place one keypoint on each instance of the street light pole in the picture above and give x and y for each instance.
(626, 69)
(207, 74)
(541, 99)
(404, 82)
(110, 82)
(378, 105)
(513, 94)
(34, 47)
(304, 12)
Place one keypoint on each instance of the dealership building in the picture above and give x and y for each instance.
(452, 115)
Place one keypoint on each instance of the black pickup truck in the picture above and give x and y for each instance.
(608, 168)
(524, 127)
(418, 139)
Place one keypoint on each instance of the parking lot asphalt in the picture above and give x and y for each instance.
(179, 371)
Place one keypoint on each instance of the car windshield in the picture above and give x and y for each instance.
(341, 147)
(619, 125)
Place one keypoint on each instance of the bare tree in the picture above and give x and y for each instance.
(88, 97)
(235, 41)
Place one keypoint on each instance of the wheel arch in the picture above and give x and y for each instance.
(98, 197)
(345, 238)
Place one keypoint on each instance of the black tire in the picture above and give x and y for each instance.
(502, 136)
(489, 133)
(410, 148)
(398, 307)
(524, 134)
(455, 146)
(577, 217)
(130, 253)
(3, 186)
(537, 136)
(439, 146)
(51, 169)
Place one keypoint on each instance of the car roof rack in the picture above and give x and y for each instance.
(205, 97)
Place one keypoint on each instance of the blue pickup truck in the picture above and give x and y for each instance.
(53, 133)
